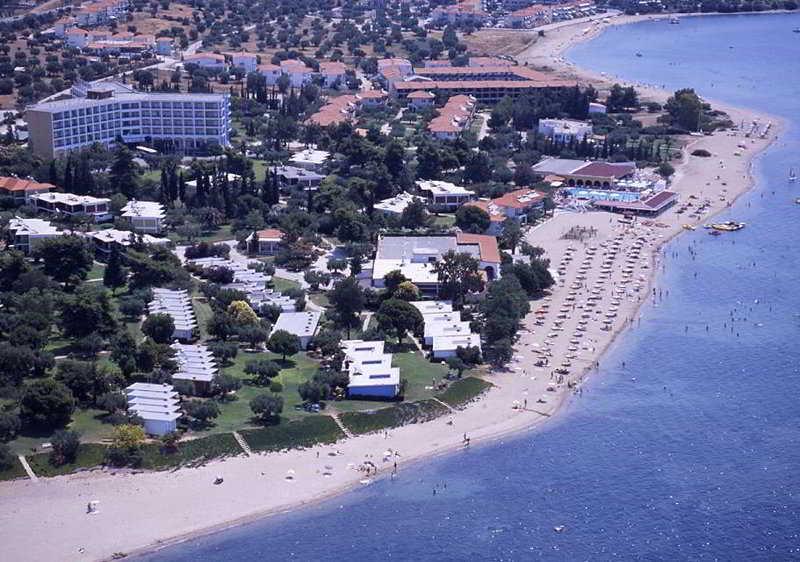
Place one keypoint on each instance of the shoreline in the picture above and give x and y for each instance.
(65, 496)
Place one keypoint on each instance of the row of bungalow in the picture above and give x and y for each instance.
(537, 15)
(298, 72)
(177, 305)
(444, 330)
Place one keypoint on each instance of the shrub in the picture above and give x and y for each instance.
(702, 153)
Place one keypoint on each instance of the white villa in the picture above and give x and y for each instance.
(394, 206)
(444, 331)
(58, 203)
(310, 159)
(196, 364)
(564, 130)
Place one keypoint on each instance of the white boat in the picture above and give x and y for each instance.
(792, 175)
(674, 20)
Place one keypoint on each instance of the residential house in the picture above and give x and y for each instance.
(105, 240)
(333, 74)
(517, 205)
(196, 364)
(454, 117)
(299, 74)
(210, 61)
(270, 72)
(164, 46)
(421, 99)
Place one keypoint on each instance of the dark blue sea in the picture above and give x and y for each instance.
(692, 451)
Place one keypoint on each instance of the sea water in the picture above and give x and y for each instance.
(692, 450)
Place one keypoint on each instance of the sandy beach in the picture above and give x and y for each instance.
(605, 275)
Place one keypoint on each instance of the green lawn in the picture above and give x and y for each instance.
(464, 391)
(89, 455)
(97, 271)
(260, 170)
(236, 414)
(203, 312)
(281, 284)
(320, 299)
(444, 221)
(88, 422)
(305, 432)
(14, 471)
(392, 416)
(192, 452)
(224, 232)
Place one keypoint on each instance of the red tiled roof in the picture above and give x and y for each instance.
(520, 199)
(332, 68)
(421, 95)
(487, 244)
(605, 170)
(17, 184)
(269, 234)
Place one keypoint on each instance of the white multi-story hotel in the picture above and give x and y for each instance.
(102, 113)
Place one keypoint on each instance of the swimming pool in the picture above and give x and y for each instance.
(602, 194)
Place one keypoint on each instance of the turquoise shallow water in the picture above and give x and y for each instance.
(691, 451)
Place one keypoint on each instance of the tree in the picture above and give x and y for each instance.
(46, 403)
(221, 325)
(456, 364)
(67, 259)
(201, 411)
(87, 311)
(398, 317)
(126, 442)
(512, 234)
(65, 447)
(255, 335)
(665, 170)
(407, 291)
(392, 280)
(472, 219)
(123, 173)
(283, 343)
(262, 370)
(159, 326)
(7, 458)
(458, 276)
(500, 352)
(10, 425)
(685, 108)
(16, 362)
(242, 314)
(415, 215)
(224, 383)
(115, 275)
(267, 407)
(112, 402)
(84, 379)
(347, 300)
(313, 392)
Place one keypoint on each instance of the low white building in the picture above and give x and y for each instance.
(564, 130)
(178, 306)
(299, 74)
(394, 206)
(196, 364)
(105, 240)
(447, 346)
(443, 195)
(434, 329)
(25, 234)
(210, 61)
(333, 73)
(246, 61)
(145, 216)
(296, 177)
(310, 159)
(595, 107)
(421, 99)
(432, 307)
(267, 242)
(302, 324)
(370, 370)
(157, 405)
(58, 203)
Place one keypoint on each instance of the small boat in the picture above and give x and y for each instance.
(688, 227)
(797, 201)
(796, 30)
(729, 226)
(639, 55)
(792, 175)
(715, 233)
(674, 21)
